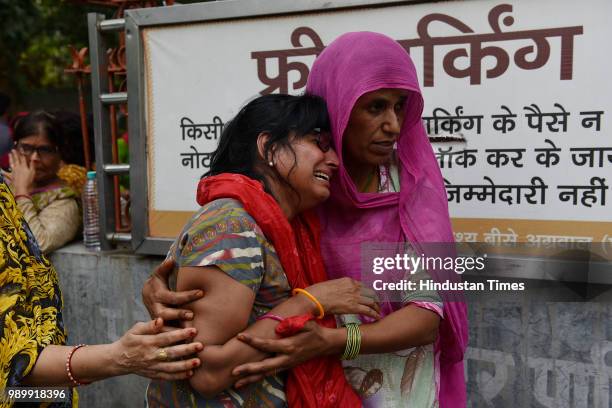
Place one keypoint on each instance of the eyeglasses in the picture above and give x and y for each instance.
(43, 151)
(323, 139)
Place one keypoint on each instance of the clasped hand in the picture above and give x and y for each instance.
(312, 341)
(346, 296)
(338, 296)
(138, 351)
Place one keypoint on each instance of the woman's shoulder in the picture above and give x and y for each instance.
(223, 234)
(45, 197)
(224, 211)
(74, 176)
(217, 224)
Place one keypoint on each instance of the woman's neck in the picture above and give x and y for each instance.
(284, 198)
(47, 184)
(365, 176)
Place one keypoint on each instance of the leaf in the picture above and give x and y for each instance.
(412, 364)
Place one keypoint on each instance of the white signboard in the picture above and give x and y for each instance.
(525, 85)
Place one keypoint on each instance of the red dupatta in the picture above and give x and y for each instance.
(319, 382)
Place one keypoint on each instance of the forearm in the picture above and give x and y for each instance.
(410, 326)
(88, 364)
(215, 373)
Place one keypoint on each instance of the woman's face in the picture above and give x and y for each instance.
(374, 126)
(308, 171)
(41, 154)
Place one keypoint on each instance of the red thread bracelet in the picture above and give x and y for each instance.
(293, 325)
(23, 195)
(69, 368)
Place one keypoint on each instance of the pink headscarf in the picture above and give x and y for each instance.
(352, 65)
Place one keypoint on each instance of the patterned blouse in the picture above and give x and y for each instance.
(223, 234)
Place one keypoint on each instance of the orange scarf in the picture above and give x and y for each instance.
(74, 176)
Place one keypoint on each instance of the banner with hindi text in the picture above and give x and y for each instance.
(517, 105)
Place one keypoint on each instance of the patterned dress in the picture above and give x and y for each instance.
(223, 234)
(405, 378)
(30, 299)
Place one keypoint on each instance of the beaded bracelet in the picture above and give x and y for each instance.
(69, 368)
(313, 299)
(353, 341)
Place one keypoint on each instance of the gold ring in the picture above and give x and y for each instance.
(162, 354)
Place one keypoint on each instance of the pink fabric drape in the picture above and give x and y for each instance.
(352, 65)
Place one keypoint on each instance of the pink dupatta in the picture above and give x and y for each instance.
(352, 65)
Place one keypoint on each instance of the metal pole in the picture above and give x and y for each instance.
(115, 158)
(99, 86)
(83, 114)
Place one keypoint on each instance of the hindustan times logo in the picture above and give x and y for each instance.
(430, 285)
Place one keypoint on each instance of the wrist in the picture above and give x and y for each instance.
(23, 196)
(305, 304)
(320, 310)
(77, 365)
(114, 356)
(336, 339)
(20, 191)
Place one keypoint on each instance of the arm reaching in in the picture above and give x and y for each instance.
(410, 326)
(137, 352)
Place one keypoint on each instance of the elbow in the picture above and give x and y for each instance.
(49, 244)
(46, 242)
(431, 336)
(208, 384)
(45, 245)
(214, 374)
(430, 333)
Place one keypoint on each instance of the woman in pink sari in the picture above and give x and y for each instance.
(417, 213)
(388, 189)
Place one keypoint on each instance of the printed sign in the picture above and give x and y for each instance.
(517, 104)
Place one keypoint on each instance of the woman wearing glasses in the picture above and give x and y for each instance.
(252, 244)
(49, 204)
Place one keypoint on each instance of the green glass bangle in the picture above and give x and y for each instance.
(353, 341)
(356, 341)
(349, 342)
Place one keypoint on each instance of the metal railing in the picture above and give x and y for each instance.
(105, 100)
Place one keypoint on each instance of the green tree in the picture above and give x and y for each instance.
(34, 40)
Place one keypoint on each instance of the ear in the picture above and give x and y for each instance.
(262, 139)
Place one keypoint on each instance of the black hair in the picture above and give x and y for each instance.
(62, 128)
(280, 116)
(69, 124)
(5, 103)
